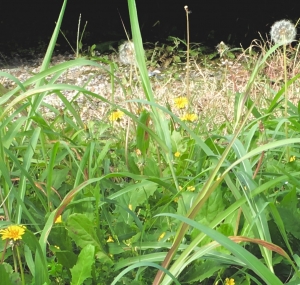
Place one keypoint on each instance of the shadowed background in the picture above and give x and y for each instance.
(28, 23)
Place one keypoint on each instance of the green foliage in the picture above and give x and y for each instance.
(104, 205)
(82, 231)
(8, 276)
(290, 213)
(82, 269)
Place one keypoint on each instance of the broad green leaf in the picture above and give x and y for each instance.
(83, 232)
(134, 198)
(82, 269)
(202, 271)
(66, 258)
(59, 177)
(151, 167)
(6, 274)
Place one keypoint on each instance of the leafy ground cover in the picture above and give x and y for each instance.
(158, 192)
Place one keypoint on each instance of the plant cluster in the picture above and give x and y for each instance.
(149, 196)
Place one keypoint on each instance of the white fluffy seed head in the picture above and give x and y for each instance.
(127, 53)
(283, 32)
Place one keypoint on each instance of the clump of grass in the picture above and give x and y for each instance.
(99, 201)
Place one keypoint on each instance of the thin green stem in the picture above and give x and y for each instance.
(20, 265)
(14, 258)
(187, 52)
(77, 41)
(286, 101)
(4, 251)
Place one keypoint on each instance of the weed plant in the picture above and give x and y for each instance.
(164, 201)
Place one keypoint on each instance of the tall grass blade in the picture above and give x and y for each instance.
(252, 262)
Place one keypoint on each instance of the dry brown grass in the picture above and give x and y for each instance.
(213, 85)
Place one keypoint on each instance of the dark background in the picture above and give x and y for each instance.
(31, 22)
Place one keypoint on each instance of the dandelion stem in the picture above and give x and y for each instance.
(14, 258)
(186, 8)
(77, 40)
(285, 101)
(20, 265)
(284, 32)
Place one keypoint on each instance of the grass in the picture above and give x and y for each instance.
(151, 198)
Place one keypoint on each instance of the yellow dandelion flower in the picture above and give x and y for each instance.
(183, 118)
(58, 220)
(189, 117)
(116, 115)
(177, 154)
(110, 239)
(229, 281)
(181, 102)
(292, 158)
(191, 188)
(161, 236)
(13, 232)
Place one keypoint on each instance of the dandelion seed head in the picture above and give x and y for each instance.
(127, 53)
(283, 32)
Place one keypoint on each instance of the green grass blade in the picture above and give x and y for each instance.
(252, 262)
(142, 264)
(139, 50)
(50, 168)
(26, 164)
(185, 257)
(52, 43)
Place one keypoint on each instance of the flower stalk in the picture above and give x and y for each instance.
(20, 264)
(284, 32)
(186, 8)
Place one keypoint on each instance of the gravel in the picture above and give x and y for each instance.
(93, 79)
(208, 88)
